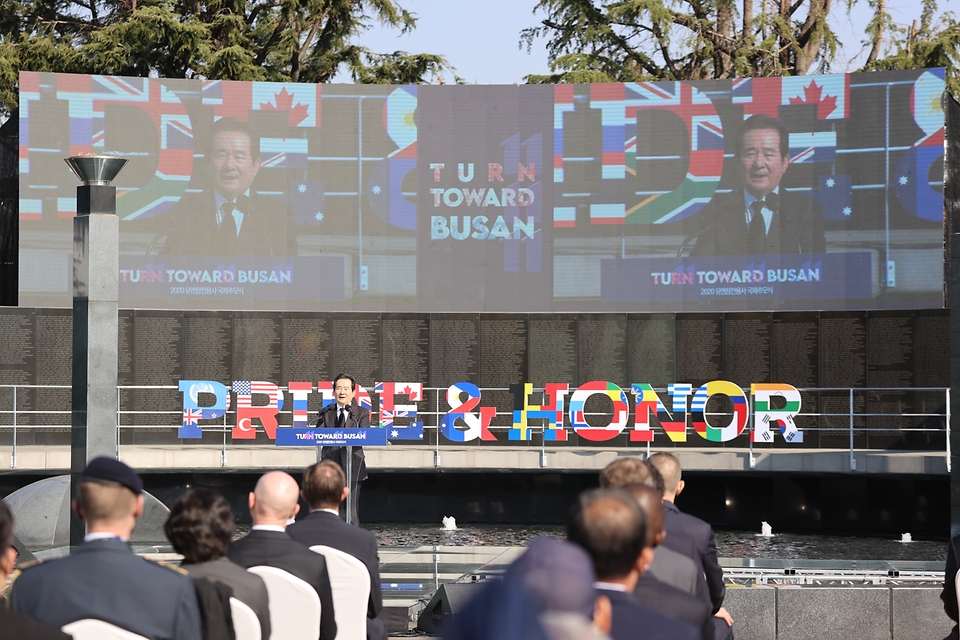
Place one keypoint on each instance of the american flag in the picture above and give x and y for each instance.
(246, 388)
(247, 412)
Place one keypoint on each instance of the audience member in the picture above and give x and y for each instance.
(16, 626)
(324, 488)
(200, 528)
(559, 577)
(272, 502)
(547, 593)
(501, 610)
(949, 593)
(102, 578)
(681, 525)
(624, 471)
(610, 526)
(661, 594)
(669, 566)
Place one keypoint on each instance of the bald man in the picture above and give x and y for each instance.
(272, 503)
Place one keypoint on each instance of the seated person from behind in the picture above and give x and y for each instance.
(200, 528)
(102, 578)
(324, 488)
(762, 217)
(272, 503)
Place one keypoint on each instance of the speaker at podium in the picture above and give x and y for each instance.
(448, 601)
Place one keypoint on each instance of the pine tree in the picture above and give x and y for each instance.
(923, 44)
(275, 40)
(635, 40)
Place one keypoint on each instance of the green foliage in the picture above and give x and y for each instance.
(632, 40)
(399, 68)
(924, 44)
(276, 40)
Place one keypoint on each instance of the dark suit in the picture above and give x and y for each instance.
(797, 227)
(327, 529)
(633, 620)
(103, 579)
(676, 569)
(949, 593)
(359, 418)
(678, 526)
(247, 587)
(675, 603)
(268, 228)
(16, 626)
(277, 549)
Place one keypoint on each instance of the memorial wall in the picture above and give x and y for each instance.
(805, 349)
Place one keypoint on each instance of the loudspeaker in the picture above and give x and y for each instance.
(449, 600)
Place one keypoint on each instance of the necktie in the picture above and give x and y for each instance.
(228, 228)
(757, 235)
(340, 413)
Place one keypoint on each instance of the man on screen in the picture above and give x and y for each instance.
(762, 218)
(231, 219)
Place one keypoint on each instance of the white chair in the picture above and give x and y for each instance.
(90, 629)
(956, 583)
(246, 624)
(350, 582)
(294, 605)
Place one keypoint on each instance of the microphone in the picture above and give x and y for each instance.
(692, 236)
(348, 410)
(158, 238)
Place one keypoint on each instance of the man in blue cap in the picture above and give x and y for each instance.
(102, 578)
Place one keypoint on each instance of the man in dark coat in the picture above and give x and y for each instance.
(345, 413)
(671, 567)
(272, 503)
(103, 579)
(683, 529)
(611, 528)
(762, 218)
(659, 594)
(324, 488)
(231, 219)
(16, 626)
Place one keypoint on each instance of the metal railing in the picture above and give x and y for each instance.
(901, 418)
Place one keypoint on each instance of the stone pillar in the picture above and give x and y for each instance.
(96, 265)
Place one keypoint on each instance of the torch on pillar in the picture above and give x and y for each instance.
(96, 264)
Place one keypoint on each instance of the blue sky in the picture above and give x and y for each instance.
(480, 38)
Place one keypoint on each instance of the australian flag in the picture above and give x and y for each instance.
(306, 199)
(412, 432)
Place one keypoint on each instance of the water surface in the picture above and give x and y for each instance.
(730, 544)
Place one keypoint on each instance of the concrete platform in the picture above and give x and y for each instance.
(174, 458)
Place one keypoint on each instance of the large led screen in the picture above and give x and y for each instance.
(800, 193)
